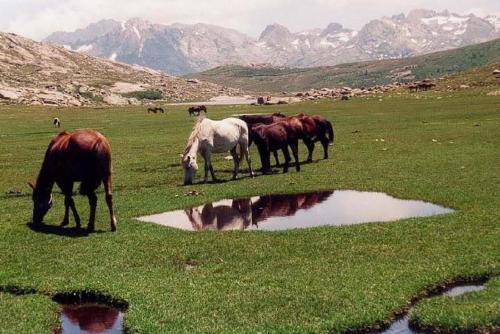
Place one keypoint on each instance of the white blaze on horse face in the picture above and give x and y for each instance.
(190, 167)
(189, 162)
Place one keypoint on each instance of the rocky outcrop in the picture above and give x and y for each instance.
(43, 74)
(345, 93)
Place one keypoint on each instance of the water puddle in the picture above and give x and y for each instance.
(402, 325)
(91, 318)
(282, 212)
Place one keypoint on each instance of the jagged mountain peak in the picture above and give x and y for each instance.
(274, 31)
(182, 48)
(333, 28)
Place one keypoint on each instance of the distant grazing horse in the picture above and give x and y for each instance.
(83, 156)
(413, 87)
(210, 137)
(197, 110)
(156, 110)
(56, 122)
(426, 85)
(273, 137)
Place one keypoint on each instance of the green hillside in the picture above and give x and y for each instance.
(362, 74)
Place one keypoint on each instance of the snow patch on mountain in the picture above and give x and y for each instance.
(182, 48)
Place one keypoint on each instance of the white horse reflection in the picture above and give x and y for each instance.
(237, 216)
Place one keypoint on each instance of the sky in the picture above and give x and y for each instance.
(38, 18)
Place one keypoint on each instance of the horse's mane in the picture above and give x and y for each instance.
(194, 133)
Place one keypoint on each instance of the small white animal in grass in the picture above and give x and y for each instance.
(56, 122)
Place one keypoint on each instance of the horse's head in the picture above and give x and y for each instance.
(190, 167)
(42, 202)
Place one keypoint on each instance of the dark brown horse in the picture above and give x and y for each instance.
(196, 110)
(316, 128)
(254, 120)
(264, 119)
(83, 156)
(156, 110)
(273, 137)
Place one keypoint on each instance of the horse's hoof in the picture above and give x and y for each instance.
(64, 223)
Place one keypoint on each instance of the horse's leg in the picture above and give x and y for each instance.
(275, 153)
(236, 161)
(325, 142)
(70, 204)
(295, 151)
(93, 205)
(108, 190)
(287, 158)
(310, 148)
(262, 155)
(205, 178)
(208, 159)
(214, 179)
(244, 151)
(67, 190)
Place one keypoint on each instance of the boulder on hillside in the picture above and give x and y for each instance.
(9, 94)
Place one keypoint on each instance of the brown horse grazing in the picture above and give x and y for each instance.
(156, 110)
(273, 137)
(253, 120)
(197, 110)
(316, 128)
(83, 156)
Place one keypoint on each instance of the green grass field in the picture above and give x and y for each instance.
(439, 147)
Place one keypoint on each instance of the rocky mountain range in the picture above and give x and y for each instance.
(35, 73)
(182, 48)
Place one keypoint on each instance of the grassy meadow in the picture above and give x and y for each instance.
(439, 147)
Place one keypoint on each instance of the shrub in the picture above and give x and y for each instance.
(145, 95)
(90, 96)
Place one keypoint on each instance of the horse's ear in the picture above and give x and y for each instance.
(31, 185)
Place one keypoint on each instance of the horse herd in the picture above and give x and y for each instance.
(85, 156)
(194, 110)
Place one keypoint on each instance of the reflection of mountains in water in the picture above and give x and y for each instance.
(241, 214)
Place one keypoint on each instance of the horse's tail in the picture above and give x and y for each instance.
(331, 135)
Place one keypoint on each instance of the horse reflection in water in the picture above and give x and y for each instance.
(238, 216)
(90, 319)
(242, 213)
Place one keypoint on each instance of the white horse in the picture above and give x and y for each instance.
(210, 137)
